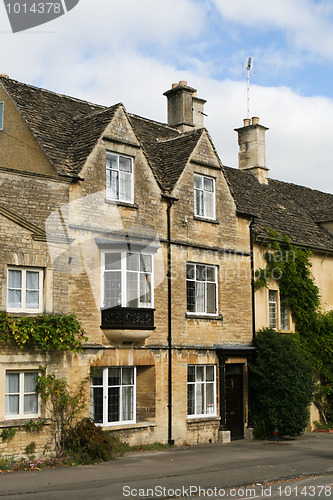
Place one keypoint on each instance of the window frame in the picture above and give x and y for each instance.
(21, 393)
(108, 169)
(196, 312)
(23, 289)
(202, 383)
(204, 203)
(105, 386)
(123, 278)
(281, 311)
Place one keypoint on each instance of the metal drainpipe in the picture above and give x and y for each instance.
(250, 391)
(170, 201)
(252, 281)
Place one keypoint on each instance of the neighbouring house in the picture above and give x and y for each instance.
(138, 229)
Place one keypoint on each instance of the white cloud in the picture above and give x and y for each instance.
(306, 23)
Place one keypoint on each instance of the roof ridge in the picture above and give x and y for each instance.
(98, 112)
(153, 121)
(75, 99)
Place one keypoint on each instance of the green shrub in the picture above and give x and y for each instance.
(88, 442)
(282, 382)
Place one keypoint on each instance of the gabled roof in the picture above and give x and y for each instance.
(289, 209)
(67, 129)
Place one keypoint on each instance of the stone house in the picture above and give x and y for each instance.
(138, 229)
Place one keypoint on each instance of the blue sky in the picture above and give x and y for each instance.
(107, 51)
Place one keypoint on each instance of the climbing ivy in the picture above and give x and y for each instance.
(54, 332)
(291, 267)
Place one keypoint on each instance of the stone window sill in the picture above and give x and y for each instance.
(203, 219)
(219, 317)
(122, 204)
(21, 422)
(199, 420)
(119, 427)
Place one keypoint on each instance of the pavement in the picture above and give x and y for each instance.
(171, 472)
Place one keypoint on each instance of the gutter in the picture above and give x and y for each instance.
(170, 200)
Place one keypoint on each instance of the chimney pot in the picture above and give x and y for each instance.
(182, 83)
(255, 120)
(247, 122)
(174, 85)
(4, 75)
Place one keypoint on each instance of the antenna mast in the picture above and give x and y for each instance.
(249, 66)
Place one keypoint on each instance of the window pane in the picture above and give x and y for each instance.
(145, 263)
(14, 298)
(112, 261)
(128, 376)
(209, 398)
(32, 280)
(96, 404)
(200, 374)
(112, 184)
(112, 288)
(198, 203)
(283, 313)
(210, 373)
(211, 273)
(32, 300)
(96, 376)
(125, 186)
(200, 297)
(191, 399)
(209, 205)
(132, 261)
(208, 184)
(272, 309)
(30, 382)
(12, 382)
(14, 279)
(190, 271)
(132, 289)
(198, 181)
(114, 376)
(11, 405)
(199, 399)
(125, 164)
(114, 404)
(145, 287)
(191, 374)
(127, 403)
(30, 403)
(112, 161)
(201, 273)
(211, 298)
(190, 290)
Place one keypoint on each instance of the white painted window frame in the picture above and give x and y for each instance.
(130, 175)
(196, 190)
(21, 393)
(123, 271)
(205, 383)
(196, 312)
(105, 387)
(23, 289)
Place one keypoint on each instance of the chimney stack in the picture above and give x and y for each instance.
(251, 156)
(185, 109)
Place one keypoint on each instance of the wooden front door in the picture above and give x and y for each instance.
(234, 400)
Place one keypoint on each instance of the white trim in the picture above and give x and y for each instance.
(21, 394)
(204, 383)
(23, 289)
(105, 386)
(130, 174)
(204, 216)
(123, 277)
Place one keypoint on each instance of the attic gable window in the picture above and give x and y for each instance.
(204, 196)
(1, 114)
(119, 178)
